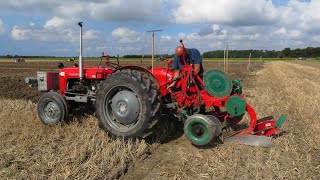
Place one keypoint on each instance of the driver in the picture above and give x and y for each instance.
(192, 56)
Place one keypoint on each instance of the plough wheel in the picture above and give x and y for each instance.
(201, 129)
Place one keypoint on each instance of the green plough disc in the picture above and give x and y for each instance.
(217, 83)
(236, 106)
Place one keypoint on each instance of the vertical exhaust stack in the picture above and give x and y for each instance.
(153, 47)
(80, 56)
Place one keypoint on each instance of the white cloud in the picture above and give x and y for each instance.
(39, 33)
(244, 25)
(301, 15)
(54, 30)
(217, 45)
(3, 27)
(102, 10)
(55, 23)
(182, 35)
(102, 48)
(281, 31)
(245, 36)
(215, 27)
(92, 35)
(233, 12)
(126, 35)
(290, 34)
(294, 14)
(19, 33)
(124, 10)
(194, 40)
(295, 34)
(316, 38)
(193, 36)
(165, 38)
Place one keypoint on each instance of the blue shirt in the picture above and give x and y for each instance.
(193, 56)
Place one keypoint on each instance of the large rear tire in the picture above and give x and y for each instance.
(52, 108)
(126, 105)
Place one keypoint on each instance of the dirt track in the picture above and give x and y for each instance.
(281, 87)
(81, 150)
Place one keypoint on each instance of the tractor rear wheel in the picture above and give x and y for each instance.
(52, 108)
(126, 105)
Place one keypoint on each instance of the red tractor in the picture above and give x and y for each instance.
(128, 99)
(19, 60)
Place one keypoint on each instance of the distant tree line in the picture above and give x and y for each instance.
(21, 56)
(243, 54)
(147, 55)
(309, 52)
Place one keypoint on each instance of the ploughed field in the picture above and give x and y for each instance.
(79, 149)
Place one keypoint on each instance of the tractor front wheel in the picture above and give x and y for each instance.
(52, 108)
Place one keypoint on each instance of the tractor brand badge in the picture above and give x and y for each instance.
(61, 73)
(268, 125)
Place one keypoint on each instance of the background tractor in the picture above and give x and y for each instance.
(71, 59)
(19, 60)
(128, 101)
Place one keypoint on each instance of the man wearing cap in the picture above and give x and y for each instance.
(192, 56)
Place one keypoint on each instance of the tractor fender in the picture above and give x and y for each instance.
(140, 69)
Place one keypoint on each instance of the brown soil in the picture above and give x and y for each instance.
(14, 87)
(12, 81)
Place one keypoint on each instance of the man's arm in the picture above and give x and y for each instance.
(175, 75)
(197, 68)
(176, 67)
(197, 60)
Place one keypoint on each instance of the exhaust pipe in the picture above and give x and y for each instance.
(80, 56)
(32, 81)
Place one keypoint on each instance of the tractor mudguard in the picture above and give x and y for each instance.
(140, 69)
(133, 67)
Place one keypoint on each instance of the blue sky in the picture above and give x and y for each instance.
(37, 27)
